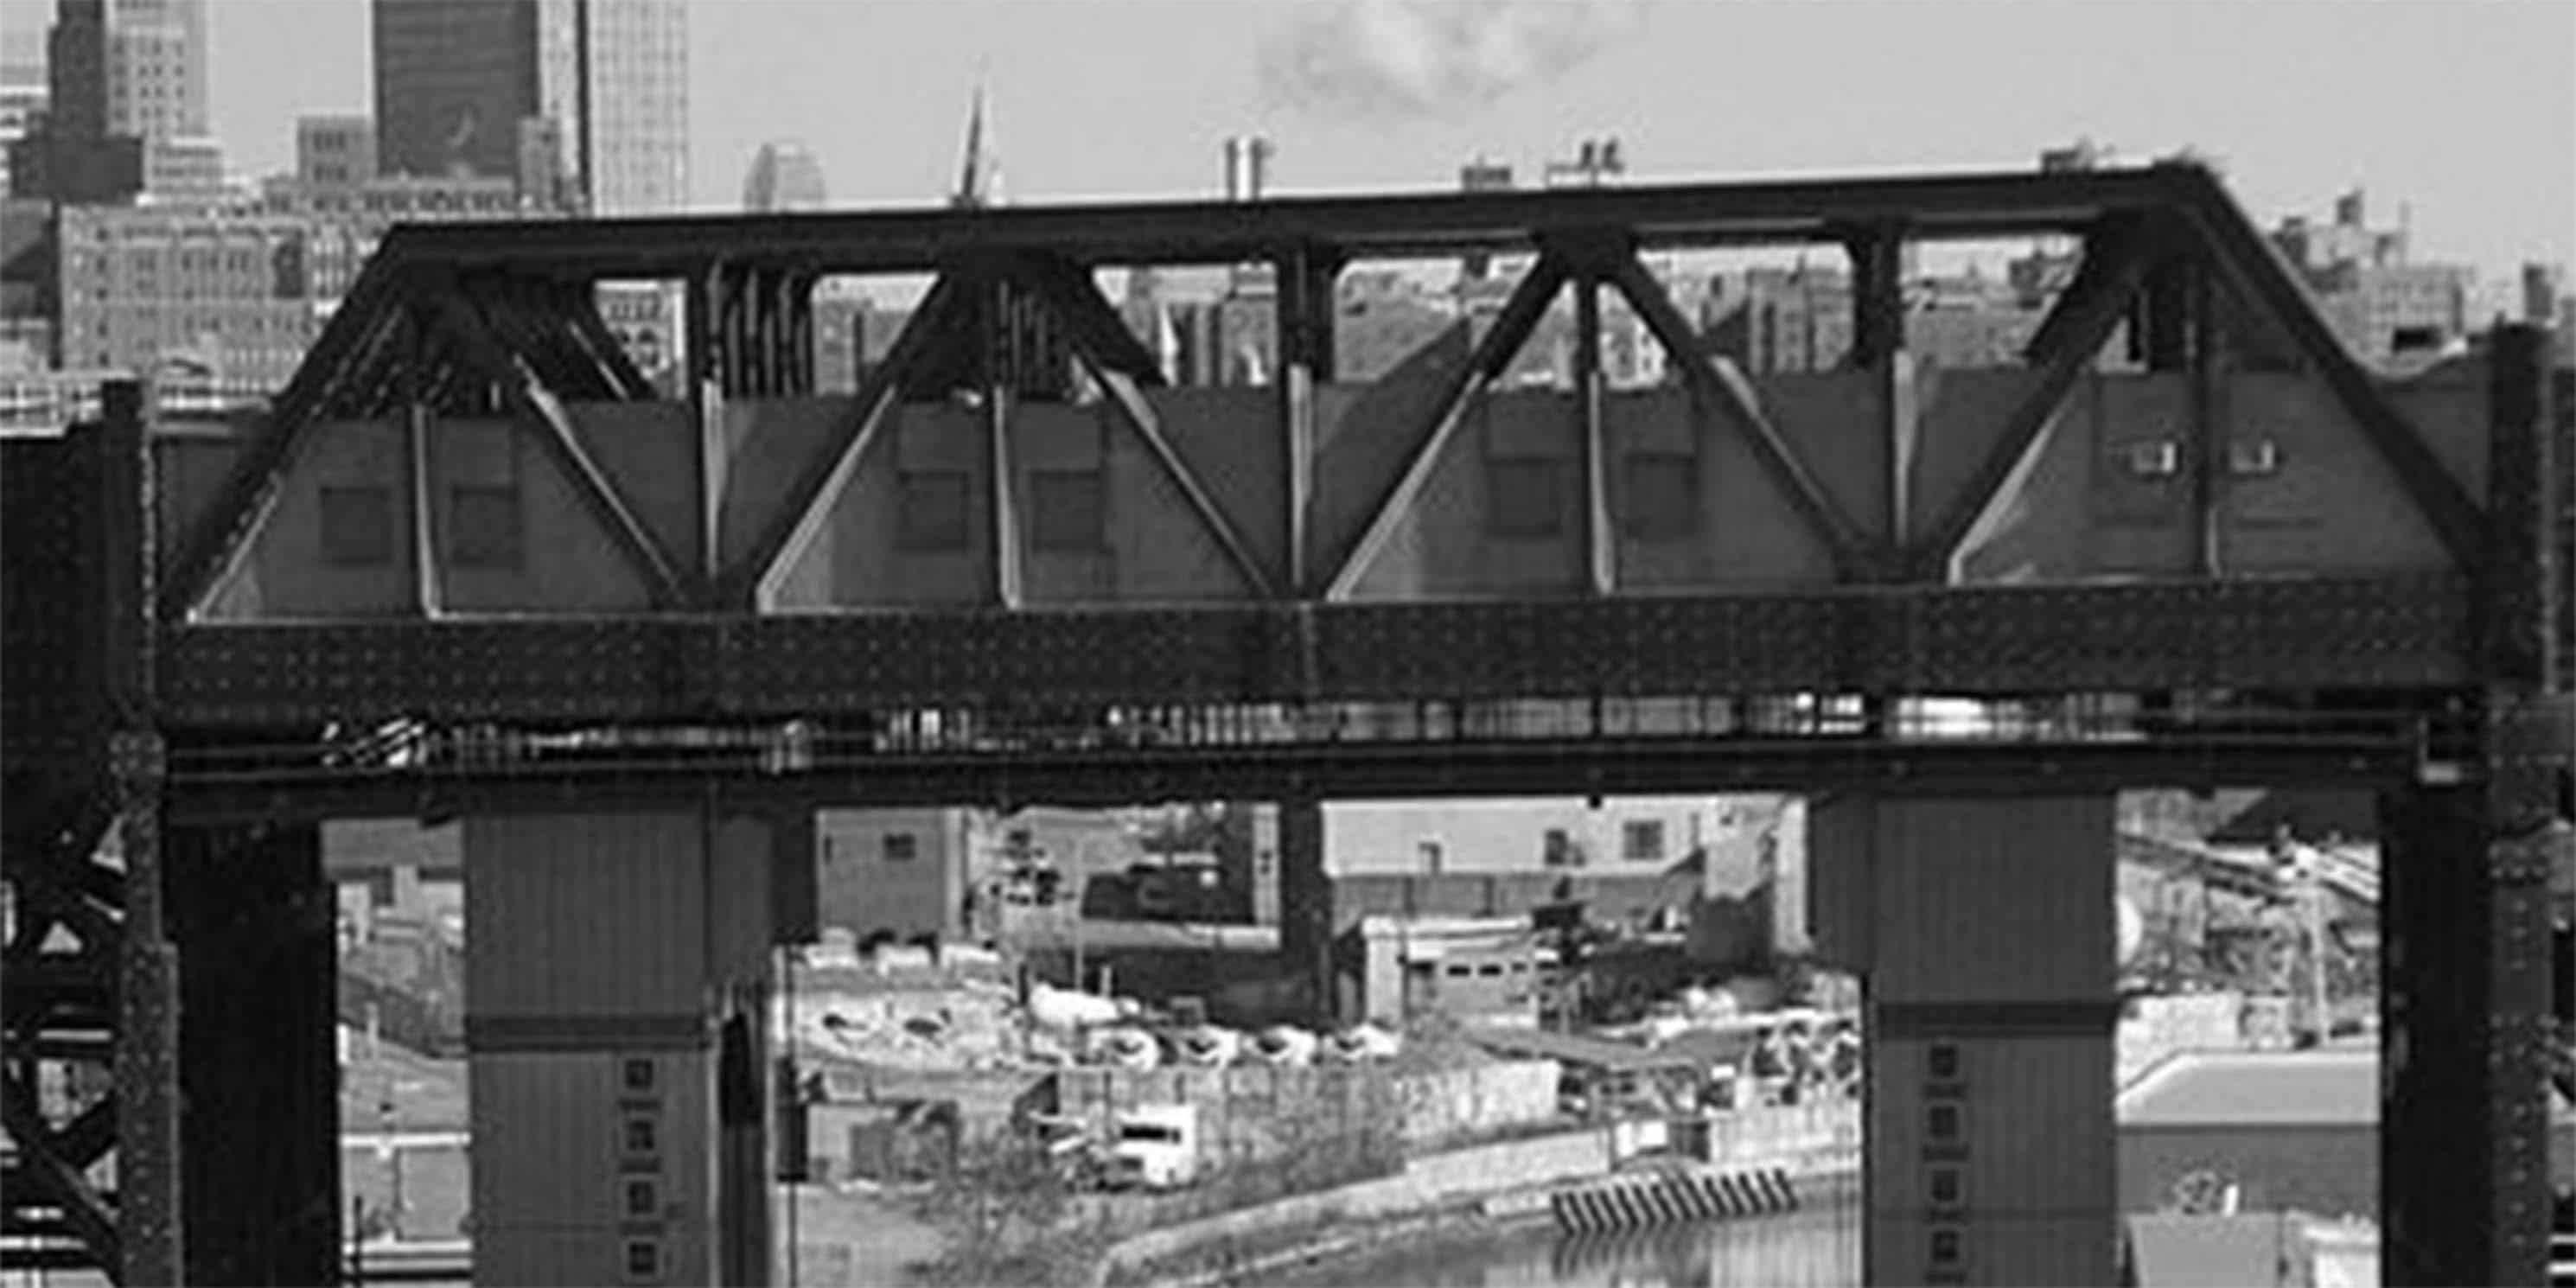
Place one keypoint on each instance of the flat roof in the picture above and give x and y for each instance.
(2319, 1088)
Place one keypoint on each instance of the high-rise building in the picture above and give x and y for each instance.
(22, 94)
(332, 151)
(468, 86)
(783, 176)
(156, 69)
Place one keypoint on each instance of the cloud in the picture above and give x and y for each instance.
(1389, 60)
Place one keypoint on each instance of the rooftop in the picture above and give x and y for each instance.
(2326, 1088)
(2172, 1251)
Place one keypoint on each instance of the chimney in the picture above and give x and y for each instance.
(1235, 169)
(1258, 187)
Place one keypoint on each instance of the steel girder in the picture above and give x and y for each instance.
(2362, 633)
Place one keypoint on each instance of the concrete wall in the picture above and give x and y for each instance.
(1509, 836)
(1249, 1113)
(2329, 1171)
(865, 888)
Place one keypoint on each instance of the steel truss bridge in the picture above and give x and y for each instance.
(470, 561)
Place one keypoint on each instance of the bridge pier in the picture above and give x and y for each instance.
(259, 1075)
(618, 984)
(1982, 929)
(1306, 903)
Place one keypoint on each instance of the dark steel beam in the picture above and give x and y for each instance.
(2105, 259)
(214, 549)
(1878, 293)
(2092, 314)
(1719, 389)
(1098, 333)
(536, 405)
(511, 315)
(1351, 771)
(2361, 633)
(578, 303)
(1600, 535)
(57, 1178)
(1529, 301)
(1932, 207)
(2255, 269)
(808, 503)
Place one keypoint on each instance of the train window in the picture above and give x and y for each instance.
(483, 527)
(357, 527)
(901, 847)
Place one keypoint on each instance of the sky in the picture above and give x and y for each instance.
(2463, 112)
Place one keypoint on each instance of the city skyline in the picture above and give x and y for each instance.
(2487, 167)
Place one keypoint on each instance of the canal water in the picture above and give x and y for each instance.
(1813, 1248)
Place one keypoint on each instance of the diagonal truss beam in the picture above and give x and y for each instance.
(1097, 330)
(2091, 308)
(1528, 303)
(578, 303)
(1072, 300)
(213, 550)
(523, 316)
(53, 1175)
(1719, 387)
(2257, 273)
(462, 323)
(808, 503)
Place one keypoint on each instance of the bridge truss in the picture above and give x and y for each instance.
(177, 683)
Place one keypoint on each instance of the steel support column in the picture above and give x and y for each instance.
(1878, 294)
(255, 925)
(1307, 277)
(2464, 1135)
(1306, 904)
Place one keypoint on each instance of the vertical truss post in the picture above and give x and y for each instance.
(997, 374)
(1307, 275)
(416, 412)
(150, 1234)
(2208, 355)
(2166, 314)
(1600, 538)
(799, 333)
(1878, 293)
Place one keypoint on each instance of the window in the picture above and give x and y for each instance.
(643, 1196)
(930, 512)
(1430, 854)
(1946, 1187)
(643, 1260)
(1941, 1122)
(1941, 1062)
(1065, 511)
(1663, 496)
(1558, 850)
(1522, 500)
(483, 527)
(901, 847)
(1642, 840)
(357, 527)
(1945, 1248)
(642, 1136)
(639, 1074)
